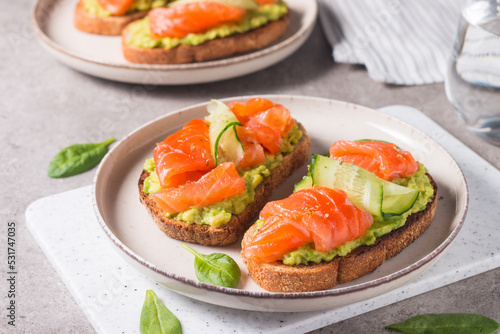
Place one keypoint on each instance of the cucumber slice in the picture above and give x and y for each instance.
(362, 187)
(224, 141)
(243, 4)
(306, 182)
(397, 199)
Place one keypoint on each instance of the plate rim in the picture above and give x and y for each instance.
(433, 255)
(235, 60)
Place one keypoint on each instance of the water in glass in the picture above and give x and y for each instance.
(473, 76)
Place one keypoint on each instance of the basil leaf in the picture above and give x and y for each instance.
(156, 318)
(216, 268)
(447, 323)
(76, 159)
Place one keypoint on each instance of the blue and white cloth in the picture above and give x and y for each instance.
(400, 42)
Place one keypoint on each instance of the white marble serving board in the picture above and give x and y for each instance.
(111, 293)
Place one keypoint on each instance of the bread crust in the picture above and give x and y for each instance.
(234, 229)
(218, 48)
(108, 25)
(278, 277)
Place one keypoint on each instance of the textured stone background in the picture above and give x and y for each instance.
(45, 106)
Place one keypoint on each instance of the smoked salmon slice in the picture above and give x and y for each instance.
(270, 126)
(116, 7)
(267, 120)
(184, 156)
(186, 168)
(221, 182)
(276, 237)
(242, 110)
(321, 215)
(253, 154)
(381, 158)
(266, 136)
(193, 17)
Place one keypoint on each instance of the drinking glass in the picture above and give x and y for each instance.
(472, 80)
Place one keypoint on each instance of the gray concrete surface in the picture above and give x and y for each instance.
(45, 106)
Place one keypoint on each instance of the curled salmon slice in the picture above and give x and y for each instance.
(243, 110)
(184, 156)
(280, 117)
(193, 17)
(116, 7)
(253, 153)
(269, 122)
(221, 182)
(270, 126)
(269, 138)
(381, 158)
(329, 217)
(276, 237)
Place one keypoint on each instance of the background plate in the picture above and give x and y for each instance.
(101, 56)
(142, 244)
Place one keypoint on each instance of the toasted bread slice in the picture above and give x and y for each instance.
(218, 48)
(103, 25)
(278, 277)
(234, 229)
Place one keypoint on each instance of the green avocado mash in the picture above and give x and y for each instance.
(93, 7)
(380, 226)
(218, 214)
(141, 36)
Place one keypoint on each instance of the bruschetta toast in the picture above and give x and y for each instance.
(362, 205)
(207, 182)
(196, 31)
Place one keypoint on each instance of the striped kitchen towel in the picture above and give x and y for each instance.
(399, 41)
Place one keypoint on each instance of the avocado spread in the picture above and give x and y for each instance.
(93, 7)
(140, 34)
(380, 226)
(219, 214)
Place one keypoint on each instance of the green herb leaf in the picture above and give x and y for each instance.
(380, 141)
(216, 268)
(76, 159)
(447, 323)
(156, 318)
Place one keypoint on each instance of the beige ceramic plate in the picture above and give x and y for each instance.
(143, 245)
(101, 56)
